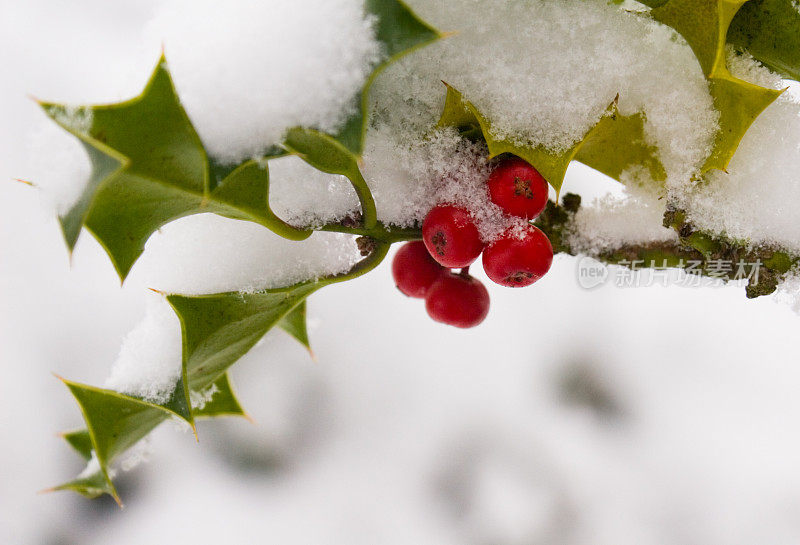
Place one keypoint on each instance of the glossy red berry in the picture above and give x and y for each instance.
(414, 270)
(451, 236)
(517, 262)
(518, 188)
(457, 300)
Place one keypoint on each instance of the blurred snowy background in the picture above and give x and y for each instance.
(605, 417)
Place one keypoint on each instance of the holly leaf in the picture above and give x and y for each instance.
(81, 441)
(246, 189)
(739, 103)
(92, 485)
(216, 331)
(614, 144)
(705, 24)
(149, 167)
(223, 401)
(115, 422)
(103, 166)
(219, 329)
(461, 115)
(399, 31)
(294, 324)
(770, 31)
(325, 153)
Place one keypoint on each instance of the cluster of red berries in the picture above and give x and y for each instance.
(450, 240)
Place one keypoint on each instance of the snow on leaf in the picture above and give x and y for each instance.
(553, 166)
(770, 31)
(739, 104)
(325, 153)
(115, 422)
(116, 426)
(223, 401)
(399, 31)
(150, 168)
(216, 330)
(704, 25)
(246, 189)
(614, 144)
(618, 143)
(90, 485)
(767, 29)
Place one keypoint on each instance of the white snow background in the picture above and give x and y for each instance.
(404, 431)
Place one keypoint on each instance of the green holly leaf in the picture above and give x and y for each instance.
(149, 168)
(104, 164)
(616, 144)
(461, 115)
(739, 103)
(81, 441)
(246, 190)
(648, 3)
(91, 486)
(705, 24)
(223, 401)
(770, 31)
(613, 145)
(325, 153)
(219, 329)
(216, 330)
(118, 425)
(115, 422)
(294, 324)
(399, 32)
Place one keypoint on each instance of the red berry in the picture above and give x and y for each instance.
(451, 236)
(457, 300)
(517, 262)
(414, 270)
(518, 188)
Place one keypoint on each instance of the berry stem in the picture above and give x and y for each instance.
(695, 249)
(380, 232)
(556, 219)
